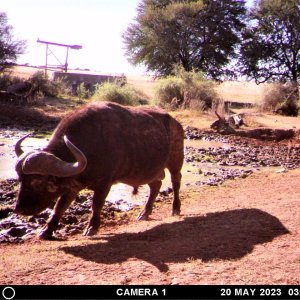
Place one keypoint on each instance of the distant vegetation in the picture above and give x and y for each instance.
(221, 39)
(29, 91)
(125, 94)
(188, 90)
(280, 98)
(185, 90)
(195, 34)
(10, 48)
(206, 40)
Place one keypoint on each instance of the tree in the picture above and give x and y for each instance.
(271, 44)
(9, 48)
(271, 47)
(197, 35)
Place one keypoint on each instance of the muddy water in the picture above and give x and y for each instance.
(209, 160)
(6, 160)
(118, 191)
(203, 144)
(7, 152)
(8, 138)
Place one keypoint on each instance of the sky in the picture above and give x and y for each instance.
(97, 25)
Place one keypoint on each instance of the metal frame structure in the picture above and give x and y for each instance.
(62, 66)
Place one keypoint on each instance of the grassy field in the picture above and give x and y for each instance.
(238, 91)
(235, 91)
(245, 231)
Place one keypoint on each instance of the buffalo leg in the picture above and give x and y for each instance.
(98, 202)
(154, 190)
(61, 206)
(176, 179)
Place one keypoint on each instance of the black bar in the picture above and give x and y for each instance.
(149, 292)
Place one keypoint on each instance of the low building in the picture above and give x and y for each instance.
(89, 80)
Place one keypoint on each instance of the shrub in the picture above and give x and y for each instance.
(202, 95)
(125, 94)
(82, 92)
(32, 89)
(167, 90)
(6, 80)
(186, 90)
(280, 98)
(45, 87)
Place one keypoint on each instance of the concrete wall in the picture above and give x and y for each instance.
(89, 80)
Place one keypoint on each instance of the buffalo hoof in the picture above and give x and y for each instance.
(175, 212)
(90, 231)
(45, 235)
(143, 217)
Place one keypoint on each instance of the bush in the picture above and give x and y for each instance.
(45, 87)
(125, 95)
(186, 90)
(32, 89)
(280, 98)
(202, 95)
(82, 92)
(167, 90)
(6, 80)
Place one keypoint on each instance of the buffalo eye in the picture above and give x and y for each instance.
(36, 184)
(51, 187)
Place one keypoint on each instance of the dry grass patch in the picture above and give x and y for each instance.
(142, 82)
(241, 91)
(194, 118)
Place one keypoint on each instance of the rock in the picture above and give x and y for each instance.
(282, 170)
(239, 157)
(4, 212)
(166, 192)
(17, 231)
(70, 219)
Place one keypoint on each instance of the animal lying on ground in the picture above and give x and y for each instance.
(95, 147)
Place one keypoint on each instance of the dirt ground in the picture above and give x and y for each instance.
(243, 232)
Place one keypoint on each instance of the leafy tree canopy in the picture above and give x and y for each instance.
(271, 44)
(198, 35)
(9, 48)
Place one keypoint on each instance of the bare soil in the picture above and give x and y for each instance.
(243, 232)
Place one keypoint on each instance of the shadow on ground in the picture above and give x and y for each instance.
(222, 235)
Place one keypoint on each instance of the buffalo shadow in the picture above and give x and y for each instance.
(221, 235)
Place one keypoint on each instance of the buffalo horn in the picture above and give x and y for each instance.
(18, 148)
(45, 163)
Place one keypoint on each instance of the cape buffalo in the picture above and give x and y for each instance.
(95, 147)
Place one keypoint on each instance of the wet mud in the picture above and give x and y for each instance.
(210, 159)
(15, 228)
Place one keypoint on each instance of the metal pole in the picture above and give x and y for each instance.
(66, 63)
(46, 61)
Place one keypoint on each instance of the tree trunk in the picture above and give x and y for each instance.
(293, 100)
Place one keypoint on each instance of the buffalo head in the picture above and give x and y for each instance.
(40, 173)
